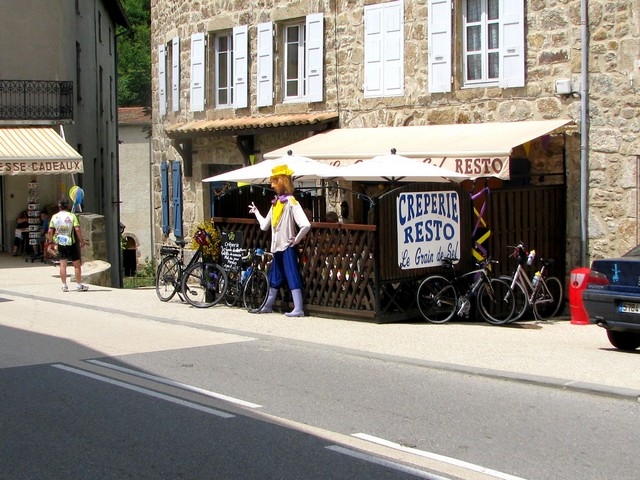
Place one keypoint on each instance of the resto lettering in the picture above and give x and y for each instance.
(478, 166)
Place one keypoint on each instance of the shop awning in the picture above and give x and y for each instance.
(36, 151)
(250, 125)
(477, 149)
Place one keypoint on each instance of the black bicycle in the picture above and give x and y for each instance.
(440, 298)
(248, 281)
(199, 283)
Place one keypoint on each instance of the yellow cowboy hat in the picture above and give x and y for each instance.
(281, 170)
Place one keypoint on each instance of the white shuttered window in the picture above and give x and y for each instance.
(197, 72)
(440, 44)
(175, 74)
(384, 49)
(162, 79)
(240, 67)
(493, 43)
(265, 65)
(492, 48)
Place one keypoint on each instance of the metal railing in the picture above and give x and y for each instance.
(36, 100)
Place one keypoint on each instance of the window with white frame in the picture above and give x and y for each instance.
(303, 61)
(492, 43)
(481, 34)
(223, 69)
(384, 49)
(219, 69)
(294, 58)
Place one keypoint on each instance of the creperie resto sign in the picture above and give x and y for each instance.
(40, 167)
(428, 228)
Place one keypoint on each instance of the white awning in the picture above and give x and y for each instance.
(474, 149)
(36, 151)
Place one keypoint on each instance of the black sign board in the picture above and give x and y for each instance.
(230, 249)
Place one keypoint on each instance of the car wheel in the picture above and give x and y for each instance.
(624, 340)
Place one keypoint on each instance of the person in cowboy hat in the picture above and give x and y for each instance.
(289, 225)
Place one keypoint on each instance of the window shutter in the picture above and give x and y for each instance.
(393, 65)
(175, 74)
(240, 66)
(164, 181)
(440, 39)
(265, 64)
(373, 51)
(512, 59)
(197, 72)
(314, 44)
(176, 179)
(162, 79)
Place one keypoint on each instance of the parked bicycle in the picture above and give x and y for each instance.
(201, 284)
(543, 293)
(440, 298)
(247, 281)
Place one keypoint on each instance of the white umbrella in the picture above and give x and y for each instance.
(396, 168)
(303, 169)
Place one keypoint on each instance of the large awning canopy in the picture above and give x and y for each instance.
(36, 151)
(476, 149)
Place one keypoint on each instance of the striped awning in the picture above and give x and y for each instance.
(36, 151)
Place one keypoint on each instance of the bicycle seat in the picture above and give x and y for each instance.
(181, 243)
(547, 261)
(449, 260)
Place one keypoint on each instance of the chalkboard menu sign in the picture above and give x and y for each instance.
(230, 249)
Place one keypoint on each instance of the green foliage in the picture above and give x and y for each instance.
(145, 276)
(134, 56)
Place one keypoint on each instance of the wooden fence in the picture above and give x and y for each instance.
(352, 270)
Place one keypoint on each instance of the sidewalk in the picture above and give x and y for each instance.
(577, 357)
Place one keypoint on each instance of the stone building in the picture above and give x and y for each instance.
(58, 89)
(233, 81)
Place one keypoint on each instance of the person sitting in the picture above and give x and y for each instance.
(22, 227)
(44, 227)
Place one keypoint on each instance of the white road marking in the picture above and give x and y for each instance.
(385, 463)
(435, 456)
(145, 391)
(183, 386)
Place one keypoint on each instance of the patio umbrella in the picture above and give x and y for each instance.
(395, 168)
(303, 169)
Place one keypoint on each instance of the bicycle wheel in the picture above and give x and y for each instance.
(496, 302)
(204, 284)
(256, 290)
(520, 298)
(437, 299)
(548, 298)
(167, 278)
(233, 293)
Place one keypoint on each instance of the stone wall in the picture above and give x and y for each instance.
(95, 250)
(554, 49)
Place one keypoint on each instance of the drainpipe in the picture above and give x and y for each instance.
(584, 133)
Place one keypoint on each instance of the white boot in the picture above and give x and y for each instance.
(297, 304)
(271, 299)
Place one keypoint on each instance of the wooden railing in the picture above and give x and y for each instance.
(336, 261)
